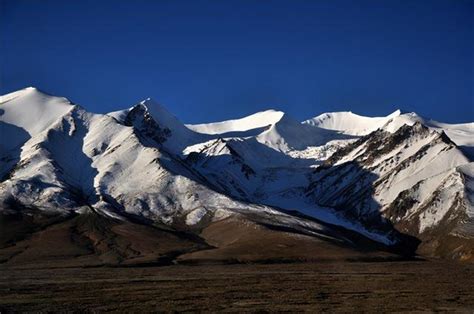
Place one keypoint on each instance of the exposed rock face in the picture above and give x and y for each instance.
(141, 120)
(412, 180)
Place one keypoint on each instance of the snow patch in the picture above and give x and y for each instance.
(195, 216)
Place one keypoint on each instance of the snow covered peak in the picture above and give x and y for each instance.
(161, 115)
(18, 93)
(257, 120)
(396, 113)
(32, 89)
(178, 136)
(350, 123)
(32, 110)
(394, 123)
(287, 134)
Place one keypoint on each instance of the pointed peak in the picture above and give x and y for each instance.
(418, 125)
(154, 107)
(403, 112)
(18, 93)
(399, 112)
(33, 110)
(162, 116)
(250, 123)
(286, 118)
(412, 114)
(28, 89)
(35, 90)
(269, 114)
(445, 138)
(396, 113)
(270, 111)
(148, 100)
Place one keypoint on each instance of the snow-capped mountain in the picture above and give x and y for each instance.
(353, 124)
(350, 123)
(335, 176)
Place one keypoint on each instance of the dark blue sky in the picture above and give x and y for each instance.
(214, 60)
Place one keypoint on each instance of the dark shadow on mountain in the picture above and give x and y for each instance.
(74, 167)
(258, 155)
(12, 139)
(263, 157)
(349, 188)
(300, 136)
(246, 133)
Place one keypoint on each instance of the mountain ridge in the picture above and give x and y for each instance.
(388, 185)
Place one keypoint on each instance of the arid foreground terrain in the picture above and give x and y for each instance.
(89, 263)
(340, 286)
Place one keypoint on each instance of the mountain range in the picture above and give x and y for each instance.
(139, 186)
